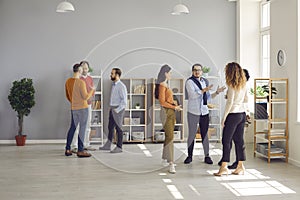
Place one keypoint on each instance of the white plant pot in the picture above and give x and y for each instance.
(205, 74)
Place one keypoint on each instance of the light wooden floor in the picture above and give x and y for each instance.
(43, 172)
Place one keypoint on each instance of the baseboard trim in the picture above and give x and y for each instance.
(62, 141)
(294, 162)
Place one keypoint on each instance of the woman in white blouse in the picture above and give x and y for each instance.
(234, 117)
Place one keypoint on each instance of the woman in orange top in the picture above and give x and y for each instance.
(168, 107)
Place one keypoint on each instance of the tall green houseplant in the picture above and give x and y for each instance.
(21, 99)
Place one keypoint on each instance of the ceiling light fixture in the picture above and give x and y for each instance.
(180, 9)
(65, 7)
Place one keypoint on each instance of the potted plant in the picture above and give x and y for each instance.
(266, 89)
(205, 70)
(21, 99)
(137, 106)
(262, 91)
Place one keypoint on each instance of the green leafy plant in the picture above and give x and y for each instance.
(91, 69)
(21, 99)
(205, 69)
(260, 92)
(266, 88)
(263, 91)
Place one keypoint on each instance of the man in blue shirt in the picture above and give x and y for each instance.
(118, 102)
(197, 93)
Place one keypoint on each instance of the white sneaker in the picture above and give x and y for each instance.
(172, 169)
(164, 163)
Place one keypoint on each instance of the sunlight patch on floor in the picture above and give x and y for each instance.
(241, 186)
(257, 188)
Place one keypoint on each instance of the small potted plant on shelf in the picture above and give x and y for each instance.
(266, 88)
(262, 92)
(259, 91)
(137, 106)
(205, 71)
(21, 99)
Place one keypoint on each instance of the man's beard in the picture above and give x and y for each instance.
(113, 78)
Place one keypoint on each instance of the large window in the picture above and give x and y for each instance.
(265, 14)
(265, 39)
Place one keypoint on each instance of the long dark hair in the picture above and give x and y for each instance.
(161, 77)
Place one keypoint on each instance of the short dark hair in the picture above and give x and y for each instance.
(197, 64)
(76, 67)
(84, 62)
(117, 71)
(247, 75)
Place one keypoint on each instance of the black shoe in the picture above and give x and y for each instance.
(188, 160)
(208, 160)
(220, 163)
(233, 166)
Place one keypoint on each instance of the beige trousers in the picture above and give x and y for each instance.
(168, 120)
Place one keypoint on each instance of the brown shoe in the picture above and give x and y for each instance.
(83, 154)
(68, 153)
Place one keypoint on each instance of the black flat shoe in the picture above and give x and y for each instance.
(233, 166)
(220, 163)
(188, 160)
(208, 160)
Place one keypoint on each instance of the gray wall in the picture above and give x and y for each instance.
(137, 35)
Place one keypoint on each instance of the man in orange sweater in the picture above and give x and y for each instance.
(89, 84)
(77, 95)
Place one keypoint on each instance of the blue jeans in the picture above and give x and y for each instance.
(77, 117)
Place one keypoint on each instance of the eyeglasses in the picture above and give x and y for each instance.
(197, 70)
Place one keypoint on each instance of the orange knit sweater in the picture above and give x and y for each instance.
(76, 93)
(165, 97)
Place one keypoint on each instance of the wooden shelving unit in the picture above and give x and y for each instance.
(135, 118)
(271, 120)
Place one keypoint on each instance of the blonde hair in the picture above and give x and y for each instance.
(235, 76)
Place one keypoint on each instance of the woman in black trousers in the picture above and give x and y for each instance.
(234, 117)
